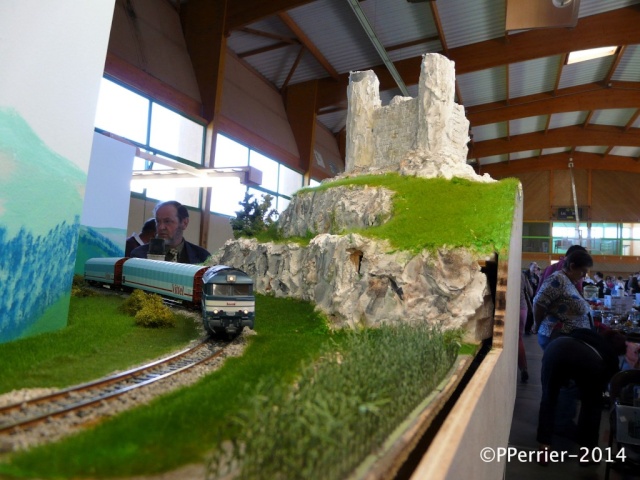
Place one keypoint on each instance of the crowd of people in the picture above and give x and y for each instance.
(610, 285)
(580, 356)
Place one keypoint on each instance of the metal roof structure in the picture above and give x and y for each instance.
(528, 107)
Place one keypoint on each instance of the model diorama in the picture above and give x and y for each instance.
(400, 240)
(358, 278)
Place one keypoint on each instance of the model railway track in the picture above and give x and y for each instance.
(74, 400)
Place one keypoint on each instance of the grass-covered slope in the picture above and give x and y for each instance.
(98, 340)
(295, 403)
(173, 431)
(432, 213)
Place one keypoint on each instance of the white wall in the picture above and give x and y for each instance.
(52, 57)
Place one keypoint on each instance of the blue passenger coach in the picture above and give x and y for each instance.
(225, 294)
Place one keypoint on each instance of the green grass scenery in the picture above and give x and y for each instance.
(97, 340)
(341, 409)
(293, 346)
(432, 213)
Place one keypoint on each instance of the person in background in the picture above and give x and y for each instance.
(559, 307)
(634, 285)
(526, 293)
(589, 360)
(559, 264)
(599, 282)
(609, 285)
(533, 279)
(172, 219)
(147, 233)
(630, 358)
(532, 276)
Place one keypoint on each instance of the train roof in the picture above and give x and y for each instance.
(104, 260)
(220, 274)
(162, 266)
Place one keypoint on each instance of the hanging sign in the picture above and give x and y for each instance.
(568, 213)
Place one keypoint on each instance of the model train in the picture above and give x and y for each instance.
(224, 294)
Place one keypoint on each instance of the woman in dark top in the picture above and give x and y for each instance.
(559, 307)
(590, 360)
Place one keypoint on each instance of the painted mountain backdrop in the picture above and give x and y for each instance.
(41, 195)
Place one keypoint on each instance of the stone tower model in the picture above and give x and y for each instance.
(431, 127)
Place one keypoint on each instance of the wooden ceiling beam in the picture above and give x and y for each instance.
(563, 62)
(592, 96)
(560, 161)
(204, 33)
(292, 70)
(272, 36)
(268, 48)
(614, 65)
(245, 12)
(585, 97)
(632, 120)
(616, 27)
(435, 14)
(207, 45)
(301, 113)
(308, 44)
(558, 137)
(413, 43)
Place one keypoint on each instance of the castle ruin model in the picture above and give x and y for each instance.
(357, 280)
(426, 136)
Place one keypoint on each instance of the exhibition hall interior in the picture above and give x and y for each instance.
(109, 108)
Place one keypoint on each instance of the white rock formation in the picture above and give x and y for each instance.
(360, 281)
(336, 210)
(363, 95)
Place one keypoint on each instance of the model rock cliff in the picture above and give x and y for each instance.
(357, 280)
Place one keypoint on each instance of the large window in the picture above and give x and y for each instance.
(158, 131)
(598, 238)
(162, 135)
(122, 112)
(174, 134)
(535, 237)
(278, 180)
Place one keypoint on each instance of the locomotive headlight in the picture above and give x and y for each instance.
(216, 311)
(231, 278)
(246, 312)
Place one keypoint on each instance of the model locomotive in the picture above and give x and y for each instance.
(224, 294)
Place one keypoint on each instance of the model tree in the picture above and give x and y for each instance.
(254, 217)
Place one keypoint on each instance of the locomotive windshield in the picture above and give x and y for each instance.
(229, 290)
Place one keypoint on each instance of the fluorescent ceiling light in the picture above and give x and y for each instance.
(582, 55)
(204, 177)
(176, 180)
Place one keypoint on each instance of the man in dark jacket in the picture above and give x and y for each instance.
(590, 360)
(172, 219)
